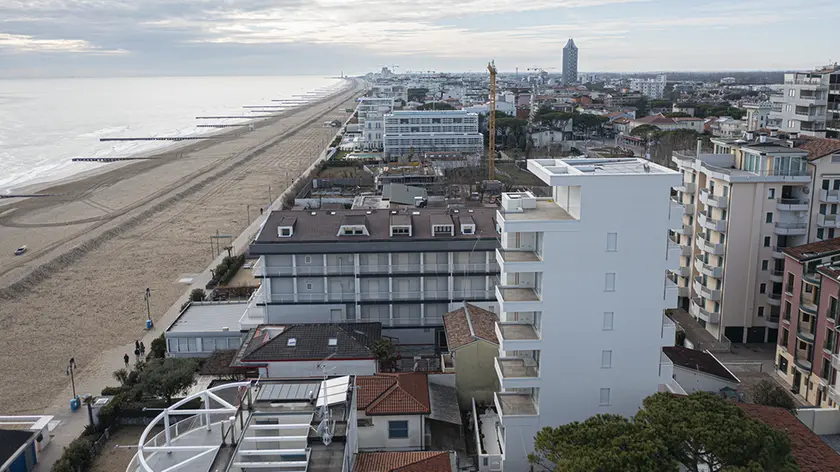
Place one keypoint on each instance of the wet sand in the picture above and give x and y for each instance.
(95, 247)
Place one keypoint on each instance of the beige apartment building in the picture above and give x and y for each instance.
(744, 204)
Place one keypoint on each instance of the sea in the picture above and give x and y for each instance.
(44, 123)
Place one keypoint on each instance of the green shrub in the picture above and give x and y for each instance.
(111, 391)
(76, 457)
(158, 348)
(197, 295)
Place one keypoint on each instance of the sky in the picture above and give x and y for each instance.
(61, 38)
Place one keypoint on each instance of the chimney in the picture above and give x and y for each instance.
(699, 147)
(762, 138)
(749, 135)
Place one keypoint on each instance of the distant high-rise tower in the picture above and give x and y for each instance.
(570, 63)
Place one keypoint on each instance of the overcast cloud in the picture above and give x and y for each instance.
(241, 37)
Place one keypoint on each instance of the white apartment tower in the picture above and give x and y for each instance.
(581, 297)
(810, 103)
(651, 88)
(371, 111)
(416, 132)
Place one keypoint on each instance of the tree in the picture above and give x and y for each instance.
(704, 428)
(436, 106)
(769, 394)
(158, 348)
(167, 378)
(197, 295)
(606, 443)
(646, 131)
(417, 94)
(386, 354)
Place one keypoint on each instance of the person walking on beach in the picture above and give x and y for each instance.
(137, 354)
(125, 359)
(136, 344)
(142, 349)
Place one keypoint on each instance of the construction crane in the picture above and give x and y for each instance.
(491, 67)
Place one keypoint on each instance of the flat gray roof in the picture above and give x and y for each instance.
(209, 316)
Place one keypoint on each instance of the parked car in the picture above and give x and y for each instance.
(19, 251)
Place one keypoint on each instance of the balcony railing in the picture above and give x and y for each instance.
(515, 336)
(696, 309)
(791, 229)
(515, 404)
(706, 268)
(717, 201)
(710, 223)
(808, 306)
(812, 278)
(517, 372)
(774, 299)
(791, 204)
(706, 292)
(778, 252)
(828, 221)
(830, 196)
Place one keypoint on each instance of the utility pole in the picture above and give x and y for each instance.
(491, 67)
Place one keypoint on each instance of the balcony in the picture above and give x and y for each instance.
(791, 204)
(513, 260)
(518, 336)
(804, 364)
(828, 221)
(830, 196)
(808, 306)
(772, 323)
(805, 332)
(716, 201)
(711, 224)
(791, 229)
(812, 278)
(704, 245)
(774, 299)
(777, 275)
(669, 331)
(707, 269)
(310, 297)
(671, 293)
(518, 298)
(777, 252)
(697, 310)
(683, 271)
(516, 372)
(687, 187)
(515, 404)
(707, 293)
(686, 230)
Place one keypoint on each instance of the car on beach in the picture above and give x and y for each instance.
(19, 251)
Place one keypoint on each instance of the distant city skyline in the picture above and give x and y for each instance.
(258, 37)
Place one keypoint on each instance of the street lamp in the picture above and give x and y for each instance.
(148, 296)
(71, 367)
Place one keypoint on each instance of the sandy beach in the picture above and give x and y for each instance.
(106, 236)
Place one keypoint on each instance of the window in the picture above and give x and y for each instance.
(783, 364)
(364, 422)
(397, 429)
(767, 241)
(609, 282)
(768, 218)
(612, 242)
(762, 288)
(606, 359)
(765, 265)
(308, 286)
(771, 193)
(820, 233)
(332, 342)
(467, 229)
(605, 397)
(787, 310)
(761, 312)
(399, 230)
(307, 259)
(831, 233)
(826, 184)
(608, 320)
(292, 342)
(791, 93)
(285, 232)
(789, 285)
(785, 336)
(832, 308)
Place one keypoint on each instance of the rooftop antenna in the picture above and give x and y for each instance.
(324, 427)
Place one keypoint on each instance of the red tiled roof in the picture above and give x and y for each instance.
(394, 394)
(813, 250)
(819, 147)
(403, 462)
(659, 119)
(457, 325)
(810, 452)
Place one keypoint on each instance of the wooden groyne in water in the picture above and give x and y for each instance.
(241, 117)
(221, 126)
(28, 195)
(109, 159)
(168, 138)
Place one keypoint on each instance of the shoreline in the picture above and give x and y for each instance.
(166, 150)
(145, 224)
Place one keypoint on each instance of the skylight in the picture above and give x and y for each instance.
(291, 342)
(333, 342)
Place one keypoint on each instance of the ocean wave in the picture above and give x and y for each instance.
(104, 131)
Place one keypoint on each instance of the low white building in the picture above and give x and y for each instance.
(700, 371)
(582, 296)
(414, 132)
(205, 327)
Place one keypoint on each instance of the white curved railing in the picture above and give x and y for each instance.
(200, 418)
